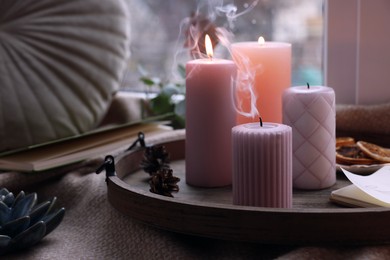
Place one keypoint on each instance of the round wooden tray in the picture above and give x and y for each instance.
(210, 213)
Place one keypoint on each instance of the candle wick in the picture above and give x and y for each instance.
(261, 121)
(308, 86)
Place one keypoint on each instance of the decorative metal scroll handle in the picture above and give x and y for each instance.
(109, 161)
(108, 165)
(140, 140)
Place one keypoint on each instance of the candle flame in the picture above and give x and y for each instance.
(209, 46)
(261, 40)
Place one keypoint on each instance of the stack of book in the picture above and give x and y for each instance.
(75, 149)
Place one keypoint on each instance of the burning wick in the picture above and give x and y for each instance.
(209, 46)
(261, 40)
(308, 86)
(261, 121)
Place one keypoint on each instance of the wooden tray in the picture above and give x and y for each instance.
(210, 213)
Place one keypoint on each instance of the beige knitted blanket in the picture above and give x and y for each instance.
(369, 123)
(93, 229)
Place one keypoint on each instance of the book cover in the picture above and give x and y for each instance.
(75, 149)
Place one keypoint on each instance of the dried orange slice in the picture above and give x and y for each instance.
(375, 151)
(341, 141)
(351, 154)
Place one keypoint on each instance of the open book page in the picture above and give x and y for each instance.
(373, 189)
(352, 196)
(376, 185)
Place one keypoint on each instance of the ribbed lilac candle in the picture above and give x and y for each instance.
(262, 165)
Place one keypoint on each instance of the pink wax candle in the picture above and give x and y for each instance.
(210, 117)
(310, 111)
(262, 165)
(266, 68)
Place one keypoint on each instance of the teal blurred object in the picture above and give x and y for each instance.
(307, 74)
(23, 222)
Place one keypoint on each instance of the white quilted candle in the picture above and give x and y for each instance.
(310, 111)
(262, 165)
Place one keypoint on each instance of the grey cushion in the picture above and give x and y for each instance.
(60, 63)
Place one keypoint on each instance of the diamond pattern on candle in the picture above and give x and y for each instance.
(312, 121)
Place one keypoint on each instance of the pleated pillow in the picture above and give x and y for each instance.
(60, 63)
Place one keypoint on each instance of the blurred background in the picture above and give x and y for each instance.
(158, 39)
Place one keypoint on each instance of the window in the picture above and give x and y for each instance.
(157, 42)
(357, 43)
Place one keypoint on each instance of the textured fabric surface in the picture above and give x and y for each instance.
(93, 229)
(60, 63)
(371, 119)
(364, 122)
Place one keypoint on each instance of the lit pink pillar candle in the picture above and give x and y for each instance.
(262, 165)
(210, 117)
(266, 67)
(310, 111)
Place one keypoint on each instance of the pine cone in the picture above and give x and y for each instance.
(22, 222)
(155, 158)
(163, 183)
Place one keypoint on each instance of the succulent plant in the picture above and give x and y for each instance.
(23, 222)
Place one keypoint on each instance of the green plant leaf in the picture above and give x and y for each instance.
(147, 81)
(178, 122)
(151, 81)
(161, 104)
(166, 101)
